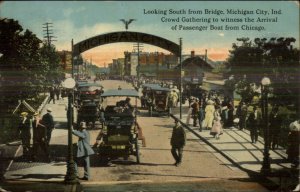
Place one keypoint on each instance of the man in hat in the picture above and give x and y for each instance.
(195, 111)
(177, 142)
(49, 123)
(25, 135)
(275, 126)
(253, 121)
(39, 137)
(84, 150)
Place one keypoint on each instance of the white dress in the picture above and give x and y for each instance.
(188, 118)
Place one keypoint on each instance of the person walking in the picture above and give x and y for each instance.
(84, 150)
(243, 115)
(201, 115)
(57, 92)
(224, 116)
(253, 121)
(275, 125)
(48, 121)
(39, 138)
(178, 139)
(294, 143)
(189, 113)
(209, 114)
(195, 111)
(216, 129)
(25, 135)
(52, 95)
(230, 116)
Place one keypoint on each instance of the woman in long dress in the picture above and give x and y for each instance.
(189, 114)
(216, 129)
(209, 114)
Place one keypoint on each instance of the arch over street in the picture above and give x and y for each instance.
(126, 36)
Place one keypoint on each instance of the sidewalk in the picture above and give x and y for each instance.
(235, 150)
(236, 145)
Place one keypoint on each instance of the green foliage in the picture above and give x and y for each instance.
(275, 58)
(25, 65)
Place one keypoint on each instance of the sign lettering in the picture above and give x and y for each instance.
(126, 36)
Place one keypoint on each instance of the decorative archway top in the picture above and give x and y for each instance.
(126, 36)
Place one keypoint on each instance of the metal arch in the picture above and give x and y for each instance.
(126, 36)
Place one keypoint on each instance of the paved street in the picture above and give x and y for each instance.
(203, 166)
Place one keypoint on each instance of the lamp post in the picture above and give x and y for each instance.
(180, 85)
(265, 83)
(70, 177)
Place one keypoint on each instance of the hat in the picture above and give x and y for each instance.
(83, 125)
(24, 114)
(36, 114)
(49, 110)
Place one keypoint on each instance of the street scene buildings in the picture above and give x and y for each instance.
(134, 101)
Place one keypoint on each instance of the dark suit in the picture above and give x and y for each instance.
(40, 138)
(49, 123)
(275, 125)
(177, 142)
(253, 121)
(25, 135)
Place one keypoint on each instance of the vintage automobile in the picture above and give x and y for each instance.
(89, 91)
(88, 112)
(88, 102)
(119, 136)
(158, 101)
(147, 94)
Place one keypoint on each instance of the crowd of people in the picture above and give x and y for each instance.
(209, 111)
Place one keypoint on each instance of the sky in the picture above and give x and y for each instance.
(79, 20)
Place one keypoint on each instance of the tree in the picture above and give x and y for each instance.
(275, 58)
(24, 65)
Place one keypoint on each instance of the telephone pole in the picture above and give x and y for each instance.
(138, 46)
(48, 33)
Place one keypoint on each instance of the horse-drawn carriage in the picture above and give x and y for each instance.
(119, 136)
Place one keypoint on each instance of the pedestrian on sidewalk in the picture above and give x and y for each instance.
(195, 111)
(84, 150)
(25, 135)
(217, 129)
(275, 126)
(57, 92)
(294, 143)
(39, 138)
(48, 121)
(224, 116)
(253, 122)
(178, 139)
(230, 116)
(209, 115)
(201, 115)
(242, 115)
(52, 94)
(189, 113)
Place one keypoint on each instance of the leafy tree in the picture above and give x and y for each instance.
(24, 65)
(275, 58)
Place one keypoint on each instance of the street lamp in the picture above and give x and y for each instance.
(180, 85)
(265, 83)
(70, 177)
